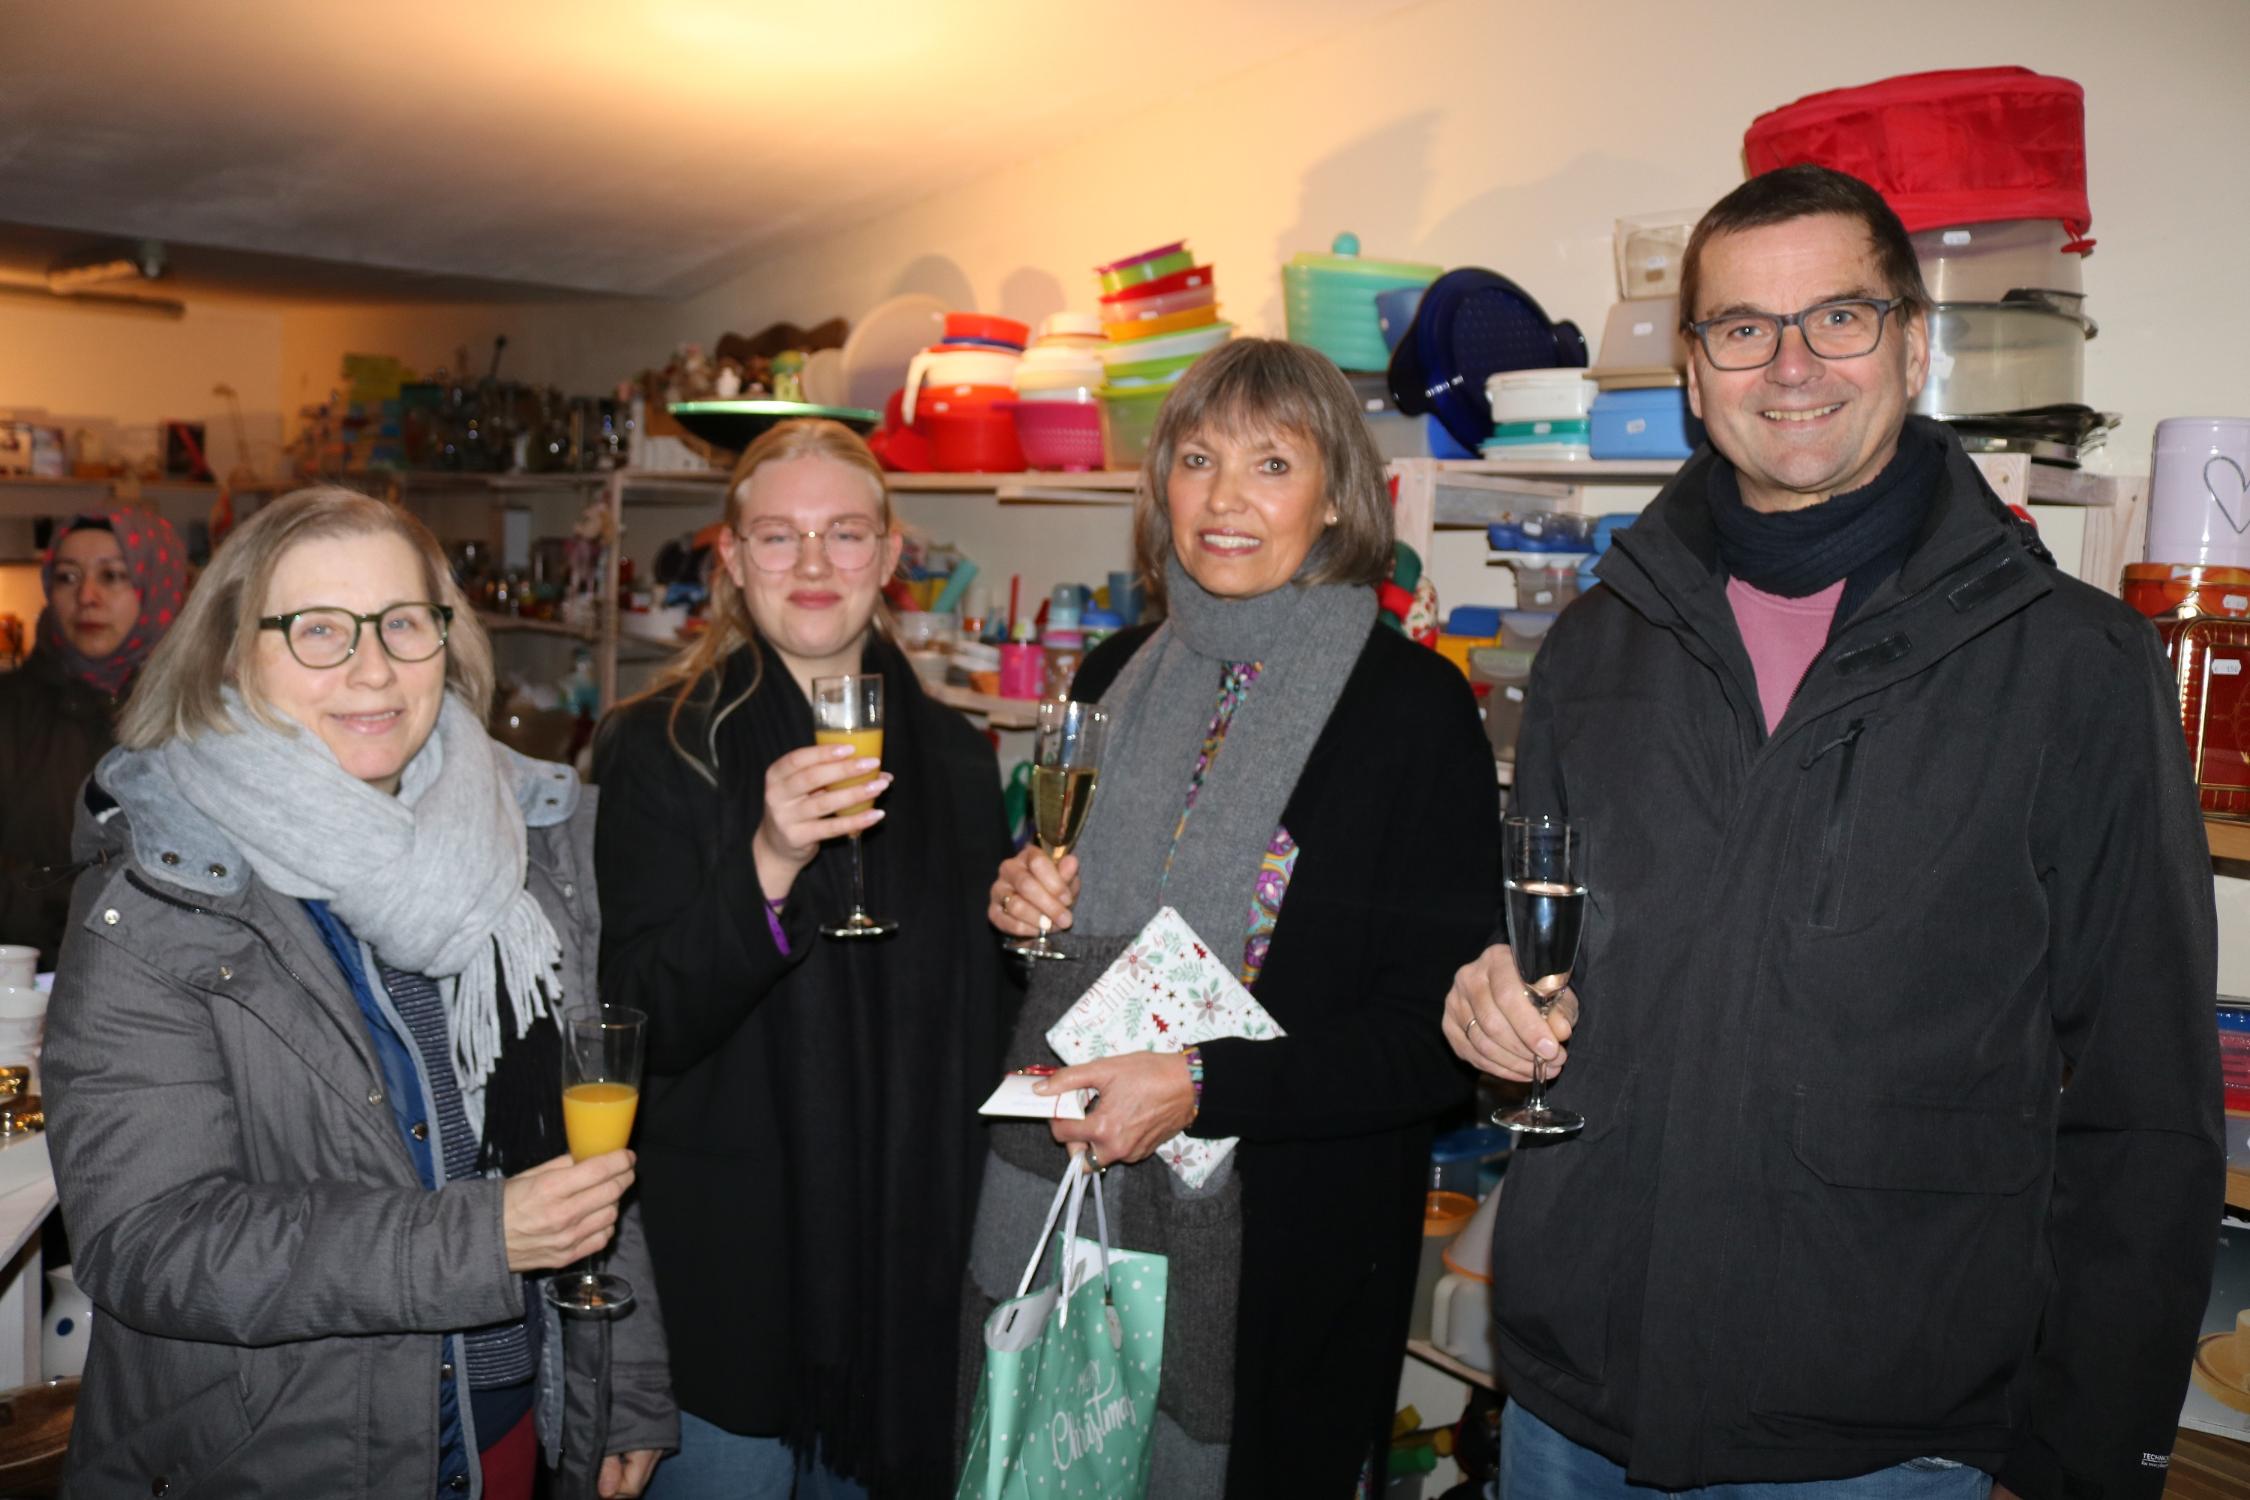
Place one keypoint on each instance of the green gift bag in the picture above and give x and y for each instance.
(1068, 1398)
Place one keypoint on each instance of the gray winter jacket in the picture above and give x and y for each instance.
(274, 1284)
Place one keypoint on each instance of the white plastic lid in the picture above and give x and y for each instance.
(1071, 325)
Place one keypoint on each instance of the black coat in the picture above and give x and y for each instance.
(53, 728)
(1395, 887)
(809, 1145)
(1833, 1208)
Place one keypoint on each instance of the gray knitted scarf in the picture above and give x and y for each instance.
(431, 879)
(1308, 637)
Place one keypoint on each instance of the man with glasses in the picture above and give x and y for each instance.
(1891, 1023)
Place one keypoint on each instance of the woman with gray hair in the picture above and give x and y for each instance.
(305, 1074)
(1314, 794)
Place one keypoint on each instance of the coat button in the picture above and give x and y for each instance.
(225, 972)
(159, 1485)
(110, 916)
(569, 890)
(169, 857)
(218, 872)
(445, 1371)
(458, 1483)
(420, 1130)
(375, 1095)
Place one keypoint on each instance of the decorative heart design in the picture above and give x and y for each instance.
(2241, 489)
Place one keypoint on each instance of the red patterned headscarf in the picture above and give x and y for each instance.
(158, 563)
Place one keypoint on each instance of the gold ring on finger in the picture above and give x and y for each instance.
(1005, 899)
(1469, 1026)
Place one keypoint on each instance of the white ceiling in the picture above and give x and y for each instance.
(648, 148)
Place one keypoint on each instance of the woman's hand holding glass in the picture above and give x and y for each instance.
(804, 810)
(1030, 886)
(560, 1212)
(1494, 1023)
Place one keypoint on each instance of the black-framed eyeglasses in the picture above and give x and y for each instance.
(1844, 329)
(327, 635)
(775, 546)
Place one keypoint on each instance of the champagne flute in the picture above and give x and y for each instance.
(601, 1083)
(1065, 761)
(1544, 885)
(848, 710)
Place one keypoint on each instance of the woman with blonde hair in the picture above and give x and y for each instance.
(303, 1062)
(809, 1144)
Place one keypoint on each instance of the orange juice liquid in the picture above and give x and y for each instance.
(864, 742)
(598, 1117)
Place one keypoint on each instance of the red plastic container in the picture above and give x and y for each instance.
(971, 429)
(1963, 146)
(1065, 435)
(1178, 281)
(966, 325)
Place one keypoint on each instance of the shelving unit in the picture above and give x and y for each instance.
(2229, 839)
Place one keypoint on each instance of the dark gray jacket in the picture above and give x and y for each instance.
(274, 1283)
(1834, 1207)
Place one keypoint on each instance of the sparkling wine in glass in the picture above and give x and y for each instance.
(601, 1084)
(1065, 765)
(1544, 886)
(849, 711)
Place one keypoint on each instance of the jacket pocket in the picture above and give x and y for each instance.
(175, 1452)
(1835, 791)
(1554, 1257)
(1904, 1282)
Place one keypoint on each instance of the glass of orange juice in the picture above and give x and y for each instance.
(601, 1084)
(849, 711)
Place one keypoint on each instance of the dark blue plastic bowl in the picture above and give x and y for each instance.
(1471, 325)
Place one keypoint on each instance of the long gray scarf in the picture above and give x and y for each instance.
(431, 879)
(1308, 638)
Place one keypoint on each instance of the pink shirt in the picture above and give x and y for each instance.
(1783, 637)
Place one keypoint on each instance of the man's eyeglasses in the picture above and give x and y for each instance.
(1844, 329)
(849, 545)
(111, 578)
(326, 636)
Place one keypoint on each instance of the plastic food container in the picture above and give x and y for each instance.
(1130, 310)
(1055, 366)
(951, 365)
(986, 326)
(1524, 629)
(1069, 327)
(1179, 322)
(1329, 301)
(1642, 336)
(971, 430)
(1649, 249)
(1124, 353)
(1149, 265)
(1128, 422)
(1990, 357)
(1508, 434)
(1063, 435)
(2199, 492)
(1985, 262)
(1539, 395)
(1192, 279)
(2181, 590)
(1644, 424)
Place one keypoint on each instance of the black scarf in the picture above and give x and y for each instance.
(1862, 536)
(881, 1051)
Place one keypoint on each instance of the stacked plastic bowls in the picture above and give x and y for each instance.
(1160, 312)
(1330, 301)
(1058, 413)
(961, 396)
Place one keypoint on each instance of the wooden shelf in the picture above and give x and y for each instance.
(2006, 472)
(1000, 713)
(1430, 1354)
(2229, 839)
(495, 621)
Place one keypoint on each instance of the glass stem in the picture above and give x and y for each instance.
(859, 882)
(1537, 1102)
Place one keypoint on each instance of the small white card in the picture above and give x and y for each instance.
(1015, 1099)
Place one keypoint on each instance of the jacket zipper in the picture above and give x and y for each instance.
(1835, 839)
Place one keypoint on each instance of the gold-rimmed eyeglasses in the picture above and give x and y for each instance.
(327, 635)
(775, 546)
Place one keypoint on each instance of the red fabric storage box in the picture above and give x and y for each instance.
(1965, 146)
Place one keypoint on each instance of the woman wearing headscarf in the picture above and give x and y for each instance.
(303, 1062)
(114, 583)
(1313, 793)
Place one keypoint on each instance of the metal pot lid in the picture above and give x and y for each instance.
(2020, 304)
(2067, 422)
